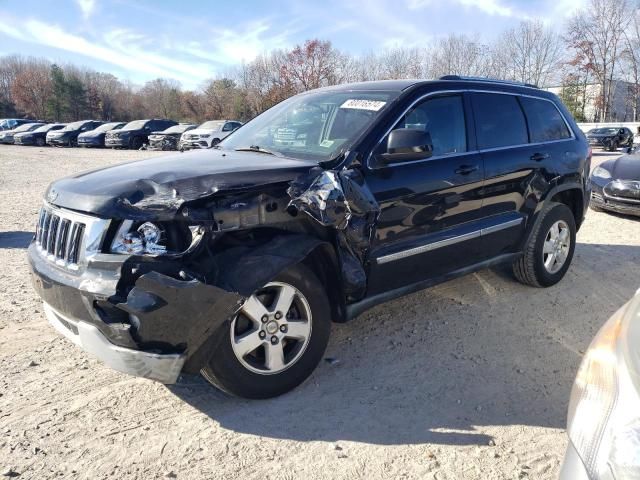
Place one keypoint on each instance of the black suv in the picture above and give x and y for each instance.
(610, 138)
(135, 134)
(234, 261)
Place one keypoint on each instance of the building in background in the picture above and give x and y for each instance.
(585, 101)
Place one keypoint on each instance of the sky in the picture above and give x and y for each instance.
(191, 41)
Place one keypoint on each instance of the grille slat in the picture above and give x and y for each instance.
(58, 237)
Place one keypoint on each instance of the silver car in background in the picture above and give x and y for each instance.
(604, 410)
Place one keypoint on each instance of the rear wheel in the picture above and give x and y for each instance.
(40, 142)
(549, 252)
(275, 341)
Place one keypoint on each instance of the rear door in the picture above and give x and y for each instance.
(430, 208)
(519, 152)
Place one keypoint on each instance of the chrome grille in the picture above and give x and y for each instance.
(59, 236)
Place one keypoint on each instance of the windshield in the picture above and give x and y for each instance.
(27, 127)
(135, 125)
(315, 126)
(178, 129)
(605, 131)
(73, 126)
(211, 125)
(108, 126)
(45, 128)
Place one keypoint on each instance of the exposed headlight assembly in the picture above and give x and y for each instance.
(604, 410)
(601, 173)
(150, 239)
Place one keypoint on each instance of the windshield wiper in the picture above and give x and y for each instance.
(254, 148)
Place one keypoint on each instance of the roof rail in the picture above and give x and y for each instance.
(487, 80)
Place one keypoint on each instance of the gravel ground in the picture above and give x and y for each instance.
(469, 379)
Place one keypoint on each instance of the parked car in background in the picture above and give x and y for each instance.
(234, 261)
(95, 137)
(11, 123)
(603, 422)
(615, 185)
(37, 136)
(610, 138)
(6, 137)
(208, 134)
(68, 136)
(168, 139)
(135, 134)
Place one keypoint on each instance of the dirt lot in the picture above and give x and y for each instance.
(469, 379)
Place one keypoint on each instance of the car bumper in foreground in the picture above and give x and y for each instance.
(164, 368)
(572, 466)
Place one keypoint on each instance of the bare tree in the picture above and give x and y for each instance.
(596, 35)
(461, 55)
(631, 59)
(529, 53)
(31, 89)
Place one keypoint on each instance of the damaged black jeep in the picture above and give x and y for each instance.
(234, 261)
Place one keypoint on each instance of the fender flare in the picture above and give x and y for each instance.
(543, 206)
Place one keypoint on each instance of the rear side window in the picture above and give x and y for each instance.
(545, 122)
(499, 120)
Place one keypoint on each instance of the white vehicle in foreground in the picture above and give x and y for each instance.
(208, 134)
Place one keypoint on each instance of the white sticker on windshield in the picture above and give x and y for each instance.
(373, 105)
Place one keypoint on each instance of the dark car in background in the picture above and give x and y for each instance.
(6, 137)
(38, 136)
(610, 138)
(233, 261)
(11, 123)
(95, 137)
(615, 185)
(135, 134)
(168, 139)
(68, 136)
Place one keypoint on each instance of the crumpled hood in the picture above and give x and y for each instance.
(156, 188)
(626, 167)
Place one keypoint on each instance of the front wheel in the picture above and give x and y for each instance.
(613, 146)
(549, 252)
(275, 341)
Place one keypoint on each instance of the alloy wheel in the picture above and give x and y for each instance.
(272, 329)
(555, 249)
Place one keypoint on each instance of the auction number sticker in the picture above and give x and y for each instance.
(373, 105)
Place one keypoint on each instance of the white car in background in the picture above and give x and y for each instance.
(208, 134)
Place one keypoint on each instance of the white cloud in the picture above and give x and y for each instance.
(87, 7)
(121, 48)
(490, 7)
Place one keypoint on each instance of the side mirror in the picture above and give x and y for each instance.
(405, 145)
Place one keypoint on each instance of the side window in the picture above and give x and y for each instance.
(545, 121)
(499, 120)
(227, 127)
(443, 118)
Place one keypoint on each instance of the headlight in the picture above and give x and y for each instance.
(601, 173)
(151, 239)
(604, 409)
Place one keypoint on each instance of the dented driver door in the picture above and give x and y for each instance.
(430, 218)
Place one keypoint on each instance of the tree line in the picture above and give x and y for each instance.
(599, 45)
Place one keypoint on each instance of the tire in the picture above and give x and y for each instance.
(40, 142)
(136, 143)
(214, 142)
(531, 269)
(613, 146)
(250, 376)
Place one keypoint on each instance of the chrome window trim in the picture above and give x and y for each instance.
(447, 241)
(476, 151)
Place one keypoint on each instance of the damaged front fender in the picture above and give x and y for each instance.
(342, 200)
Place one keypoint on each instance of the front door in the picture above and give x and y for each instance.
(430, 208)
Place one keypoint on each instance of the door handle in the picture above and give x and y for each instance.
(466, 169)
(537, 157)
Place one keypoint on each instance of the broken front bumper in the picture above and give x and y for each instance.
(151, 329)
(164, 368)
